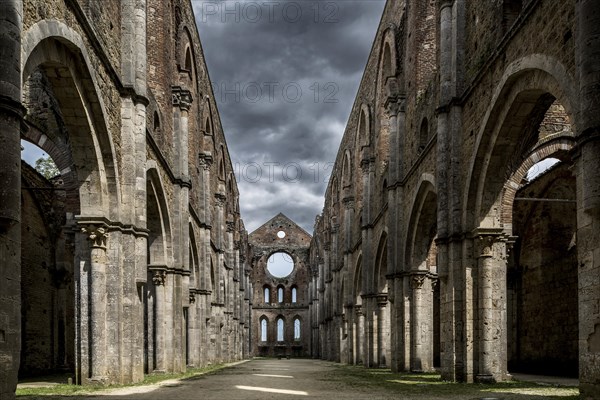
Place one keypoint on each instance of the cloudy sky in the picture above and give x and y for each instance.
(285, 74)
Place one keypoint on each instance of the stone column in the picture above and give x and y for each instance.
(98, 236)
(418, 358)
(345, 335)
(485, 265)
(159, 278)
(398, 316)
(383, 331)
(368, 260)
(491, 297)
(11, 117)
(359, 335)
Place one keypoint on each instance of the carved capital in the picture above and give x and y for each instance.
(486, 244)
(159, 278)
(417, 281)
(358, 309)
(192, 298)
(220, 199)
(182, 98)
(205, 160)
(349, 203)
(230, 225)
(97, 235)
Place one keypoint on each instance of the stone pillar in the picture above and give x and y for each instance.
(98, 236)
(418, 357)
(383, 331)
(396, 110)
(400, 315)
(359, 335)
(11, 117)
(456, 353)
(159, 278)
(491, 298)
(368, 260)
(345, 337)
(588, 196)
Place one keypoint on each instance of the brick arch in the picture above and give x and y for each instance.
(195, 276)
(53, 47)
(381, 264)
(557, 148)
(61, 155)
(387, 66)
(363, 133)
(388, 57)
(421, 213)
(185, 49)
(159, 222)
(525, 85)
(357, 283)
(347, 171)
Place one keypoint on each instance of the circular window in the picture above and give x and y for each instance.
(280, 264)
(281, 234)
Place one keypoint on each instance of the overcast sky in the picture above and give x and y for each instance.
(285, 75)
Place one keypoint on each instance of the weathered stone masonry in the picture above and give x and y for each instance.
(433, 248)
(135, 263)
(293, 290)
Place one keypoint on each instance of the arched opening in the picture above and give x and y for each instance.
(294, 294)
(280, 329)
(47, 269)
(159, 254)
(358, 334)
(382, 313)
(425, 296)
(188, 61)
(297, 327)
(264, 329)
(221, 163)
(525, 222)
(267, 294)
(347, 171)
(280, 294)
(542, 276)
(65, 118)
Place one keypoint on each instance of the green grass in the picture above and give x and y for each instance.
(431, 386)
(63, 390)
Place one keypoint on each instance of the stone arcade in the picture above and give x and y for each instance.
(437, 246)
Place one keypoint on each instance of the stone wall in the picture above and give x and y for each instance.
(264, 242)
(458, 101)
(135, 133)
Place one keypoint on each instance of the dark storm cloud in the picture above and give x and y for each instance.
(285, 74)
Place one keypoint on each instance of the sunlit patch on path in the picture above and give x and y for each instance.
(272, 390)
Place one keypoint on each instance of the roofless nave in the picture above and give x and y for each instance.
(434, 249)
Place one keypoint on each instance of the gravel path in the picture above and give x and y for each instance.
(256, 379)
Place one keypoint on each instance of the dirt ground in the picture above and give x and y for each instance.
(315, 379)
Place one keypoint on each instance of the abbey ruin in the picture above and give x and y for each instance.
(436, 248)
